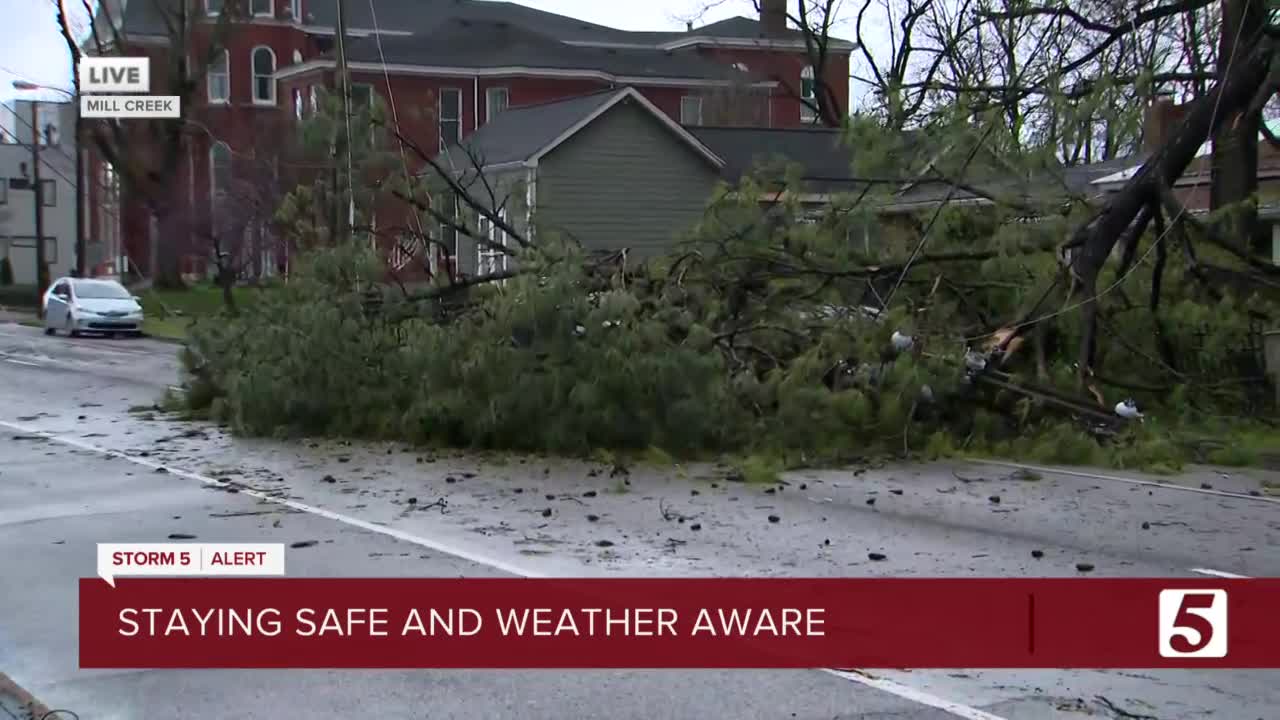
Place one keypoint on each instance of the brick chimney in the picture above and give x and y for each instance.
(773, 17)
(1162, 118)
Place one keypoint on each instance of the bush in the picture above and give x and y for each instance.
(23, 296)
(6, 272)
(580, 375)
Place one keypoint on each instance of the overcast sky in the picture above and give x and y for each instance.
(32, 49)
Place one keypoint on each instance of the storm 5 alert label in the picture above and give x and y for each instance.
(188, 559)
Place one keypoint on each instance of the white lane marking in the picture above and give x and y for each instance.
(907, 692)
(20, 362)
(1131, 481)
(441, 547)
(1219, 573)
(903, 691)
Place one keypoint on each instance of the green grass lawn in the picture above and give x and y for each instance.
(170, 312)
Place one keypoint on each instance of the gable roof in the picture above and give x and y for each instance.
(525, 134)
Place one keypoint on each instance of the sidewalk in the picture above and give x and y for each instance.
(18, 315)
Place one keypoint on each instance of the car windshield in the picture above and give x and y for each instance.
(101, 290)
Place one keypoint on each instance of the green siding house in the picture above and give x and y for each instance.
(608, 170)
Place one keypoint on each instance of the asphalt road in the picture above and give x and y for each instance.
(77, 467)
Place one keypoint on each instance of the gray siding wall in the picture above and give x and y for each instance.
(624, 181)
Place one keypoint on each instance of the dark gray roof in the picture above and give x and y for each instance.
(489, 44)
(1033, 186)
(826, 161)
(424, 16)
(520, 132)
(742, 27)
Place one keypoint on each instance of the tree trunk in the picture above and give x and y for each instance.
(227, 280)
(1234, 162)
(166, 249)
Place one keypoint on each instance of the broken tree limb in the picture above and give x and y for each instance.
(1096, 239)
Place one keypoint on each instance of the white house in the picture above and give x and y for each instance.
(17, 196)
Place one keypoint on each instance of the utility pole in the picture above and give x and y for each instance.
(41, 266)
(344, 86)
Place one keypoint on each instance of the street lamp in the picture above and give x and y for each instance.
(79, 184)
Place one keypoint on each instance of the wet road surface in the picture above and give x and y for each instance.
(89, 476)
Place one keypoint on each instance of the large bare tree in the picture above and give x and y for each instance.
(147, 154)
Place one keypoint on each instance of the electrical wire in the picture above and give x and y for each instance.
(395, 120)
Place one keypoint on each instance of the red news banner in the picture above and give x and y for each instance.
(685, 623)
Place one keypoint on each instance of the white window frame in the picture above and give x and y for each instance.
(684, 116)
(226, 80)
(488, 101)
(441, 119)
(807, 113)
(490, 260)
(254, 76)
(214, 11)
(299, 104)
(314, 98)
(270, 12)
(215, 193)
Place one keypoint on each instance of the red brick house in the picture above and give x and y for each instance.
(446, 67)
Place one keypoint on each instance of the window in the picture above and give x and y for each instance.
(297, 104)
(219, 79)
(450, 115)
(213, 6)
(219, 172)
(489, 257)
(48, 193)
(315, 99)
(261, 8)
(496, 101)
(690, 110)
(449, 233)
(47, 119)
(264, 81)
(741, 67)
(361, 96)
(295, 9)
(808, 95)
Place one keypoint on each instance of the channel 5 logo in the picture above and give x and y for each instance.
(1193, 623)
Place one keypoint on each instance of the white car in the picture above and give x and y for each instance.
(77, 305)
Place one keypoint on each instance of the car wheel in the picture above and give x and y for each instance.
(71, 327)
(50, 331)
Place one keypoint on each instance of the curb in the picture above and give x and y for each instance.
(166, 340)
(20, 703)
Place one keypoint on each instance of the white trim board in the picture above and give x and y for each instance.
(511, 70)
